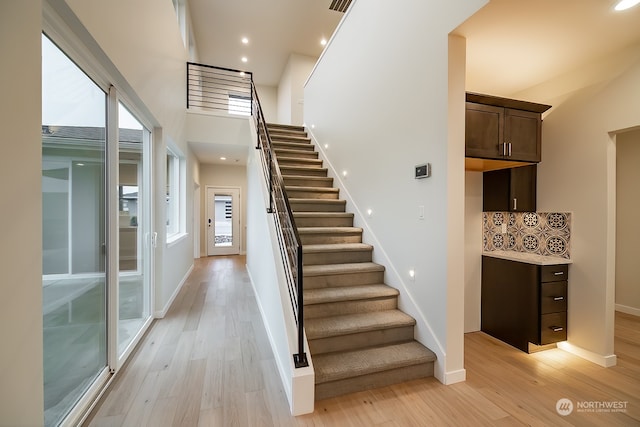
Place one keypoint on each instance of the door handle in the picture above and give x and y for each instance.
(558, 298)
(515, 204)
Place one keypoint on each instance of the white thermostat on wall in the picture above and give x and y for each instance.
(423, 171)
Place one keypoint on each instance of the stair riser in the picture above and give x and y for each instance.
(349, 307)
(371, 381)
(298, 154)
(305, 194)
(324, 239)
(337, 257)
(335, 280)
(361, 340)
(303, 172)
(316, 207)
(299, 162)
(324, 221)
(306, 182)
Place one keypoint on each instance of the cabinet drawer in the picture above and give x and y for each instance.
(553, 297)
(554, 273)
(553, 328)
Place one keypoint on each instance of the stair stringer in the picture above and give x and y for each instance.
(266, 271)
(406, 302)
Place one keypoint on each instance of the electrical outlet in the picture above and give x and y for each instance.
(504, 227)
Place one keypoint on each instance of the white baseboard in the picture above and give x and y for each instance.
(605, 361)
(628, 310)
(455, 377)
(161, 313)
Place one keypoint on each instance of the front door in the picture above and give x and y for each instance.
(222, 221)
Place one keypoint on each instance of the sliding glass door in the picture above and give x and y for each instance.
(97, 253)
(74, 281)
(134, 235)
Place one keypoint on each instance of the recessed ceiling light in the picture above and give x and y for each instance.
(323, 41)
(223, 158)
(245, 40)
(626, 4)
(244, 59)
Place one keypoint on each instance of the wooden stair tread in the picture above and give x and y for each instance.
(340, 365)
(311, 189)
(348, 293)
(328, 230)
(323, 214)
(347, 268)
(334, 247)
(347, 324)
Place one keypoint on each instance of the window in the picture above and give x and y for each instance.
(174, 195)
(239, 104)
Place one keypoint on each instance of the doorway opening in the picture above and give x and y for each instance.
(222, 221)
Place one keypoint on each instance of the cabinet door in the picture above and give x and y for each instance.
(509, 190)
(509, 301)
(522, 196)
(483, 131)
(523, 130)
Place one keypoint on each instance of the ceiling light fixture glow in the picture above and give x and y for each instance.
(323, 41)
(245, 40)
(223, 158)
(244, 59)
(626, 4)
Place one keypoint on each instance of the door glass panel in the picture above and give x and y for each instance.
(133, 228)
(223, 220)
(73, 232)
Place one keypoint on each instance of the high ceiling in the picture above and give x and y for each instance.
(512, 45)
(274, 29)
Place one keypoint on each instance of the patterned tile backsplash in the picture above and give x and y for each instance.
(541, 233)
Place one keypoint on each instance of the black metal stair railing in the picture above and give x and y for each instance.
(233, 91)
(289, 239)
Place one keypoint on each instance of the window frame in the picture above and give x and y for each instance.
(175, 191)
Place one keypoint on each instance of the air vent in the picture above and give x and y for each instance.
(340, 5)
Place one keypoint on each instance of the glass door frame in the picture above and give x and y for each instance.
(236, 194)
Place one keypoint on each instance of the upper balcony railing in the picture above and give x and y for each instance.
(219, 89)
(233, 91)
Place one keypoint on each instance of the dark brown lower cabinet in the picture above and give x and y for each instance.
(524, 303)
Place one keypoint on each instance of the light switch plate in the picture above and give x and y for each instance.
(504, 227)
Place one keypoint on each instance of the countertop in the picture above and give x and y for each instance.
(528, 258)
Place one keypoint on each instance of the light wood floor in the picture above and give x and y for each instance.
(208, 363)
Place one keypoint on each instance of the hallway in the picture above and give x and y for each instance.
(208, 362)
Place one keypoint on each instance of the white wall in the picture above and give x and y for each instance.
(216, 175)
(384, 107)
(472, 250)
(21, 373)
(577, 174)
(269, 102)
(291, 89)
(627, 229)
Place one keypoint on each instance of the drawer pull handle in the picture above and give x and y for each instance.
(558, 273)
(558, 298)
(556, 328)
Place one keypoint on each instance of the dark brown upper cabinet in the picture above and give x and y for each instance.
(503, 129)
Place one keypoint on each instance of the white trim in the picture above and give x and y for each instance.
(599, 359)
(628, 310)
(175, 238)
(455, 377)
(81, 410)
(159, 314)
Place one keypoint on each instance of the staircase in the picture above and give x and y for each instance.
(357, 336)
